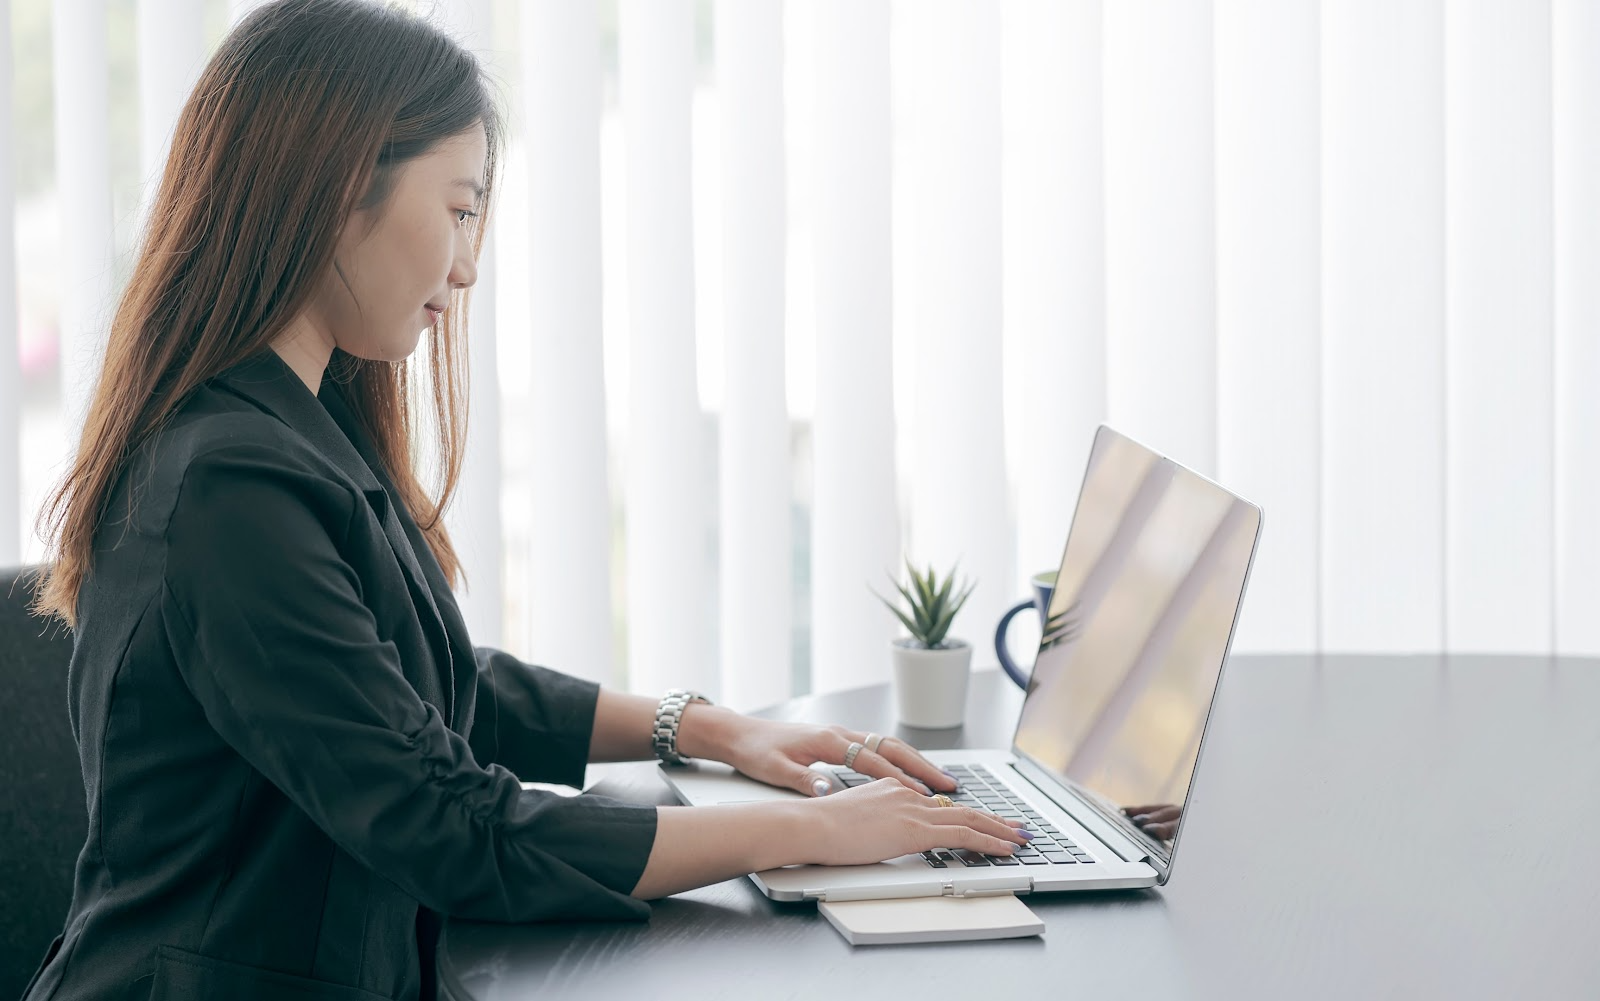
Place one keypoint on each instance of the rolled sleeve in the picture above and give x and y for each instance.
(532, 720)
(267, 625)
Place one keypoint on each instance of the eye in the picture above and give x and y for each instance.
(462, 215)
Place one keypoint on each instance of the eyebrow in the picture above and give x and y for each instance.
(469, 183)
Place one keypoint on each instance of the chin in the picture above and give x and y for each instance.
(392, 351)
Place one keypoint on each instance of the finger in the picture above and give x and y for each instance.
(1163, 831)
(971, 811)
(877, 766)
(988, 823)
(1159, 815)
(793, 775)
(958, 836)
(1152, 808)
(906, 758)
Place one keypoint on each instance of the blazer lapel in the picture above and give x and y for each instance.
(440, 595)
(328, 424)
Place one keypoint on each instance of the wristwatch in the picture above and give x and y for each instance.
(664, 738)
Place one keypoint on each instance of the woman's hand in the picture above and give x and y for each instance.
(781, 754)
(885, 819)
(1159, 820)
(698, 845)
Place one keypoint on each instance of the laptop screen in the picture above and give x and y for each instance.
(1136, 632)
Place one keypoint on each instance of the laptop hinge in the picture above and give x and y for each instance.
(1089, 812)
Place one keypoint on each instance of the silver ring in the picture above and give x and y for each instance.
(851, 752)
(873, 740)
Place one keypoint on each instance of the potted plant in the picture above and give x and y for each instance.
(930, 667)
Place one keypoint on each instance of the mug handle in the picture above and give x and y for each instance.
(1014, 672)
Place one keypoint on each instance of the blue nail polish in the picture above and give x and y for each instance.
(1025, 833)
(950, 774)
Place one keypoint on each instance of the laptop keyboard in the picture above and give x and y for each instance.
(979, 789)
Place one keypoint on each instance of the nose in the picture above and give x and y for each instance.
(464, 269)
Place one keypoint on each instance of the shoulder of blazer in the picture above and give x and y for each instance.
(159, 466)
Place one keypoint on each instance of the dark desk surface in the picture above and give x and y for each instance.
(1360, 827)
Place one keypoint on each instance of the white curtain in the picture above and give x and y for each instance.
(783, 293)
(10, 347)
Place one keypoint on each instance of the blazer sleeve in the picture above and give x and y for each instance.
(532, 720)
(269, 631)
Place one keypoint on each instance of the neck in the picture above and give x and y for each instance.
(305, 350)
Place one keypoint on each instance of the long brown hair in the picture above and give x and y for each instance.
(302, 115)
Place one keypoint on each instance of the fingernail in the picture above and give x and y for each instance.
(950, 774)
(1025, 833)
(1141, 818)
(820, 787)
(925, 790)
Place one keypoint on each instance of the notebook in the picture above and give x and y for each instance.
(931, 919)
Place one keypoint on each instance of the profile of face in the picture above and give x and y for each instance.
(399, 258)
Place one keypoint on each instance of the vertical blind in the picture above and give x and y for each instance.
(780, 294)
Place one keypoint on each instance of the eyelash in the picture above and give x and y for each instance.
(464, 212)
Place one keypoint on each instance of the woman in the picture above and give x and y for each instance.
(295, 761)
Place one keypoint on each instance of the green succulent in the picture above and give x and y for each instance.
(932, 608)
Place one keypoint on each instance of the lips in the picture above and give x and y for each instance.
(437, 312)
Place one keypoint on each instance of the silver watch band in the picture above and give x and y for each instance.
(664, 738)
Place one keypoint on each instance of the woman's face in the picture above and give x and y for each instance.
(397, 258)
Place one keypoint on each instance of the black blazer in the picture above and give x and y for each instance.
(294, 759)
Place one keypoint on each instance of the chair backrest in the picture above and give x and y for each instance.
(43, 819)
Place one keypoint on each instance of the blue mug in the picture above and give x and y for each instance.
(1044, 585)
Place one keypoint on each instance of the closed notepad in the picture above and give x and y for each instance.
(931, 919)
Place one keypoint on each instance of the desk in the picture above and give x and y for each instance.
(1361, 826)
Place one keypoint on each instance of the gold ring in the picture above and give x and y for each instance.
(872, 742)
(943, 800)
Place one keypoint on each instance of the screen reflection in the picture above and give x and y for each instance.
(1136, 633)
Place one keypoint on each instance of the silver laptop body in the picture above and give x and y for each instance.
(1139, 626)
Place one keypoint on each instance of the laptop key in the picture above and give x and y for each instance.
(970, 858)
(1059, 858)
(1001, 860)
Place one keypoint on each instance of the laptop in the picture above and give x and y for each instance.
(1137, 632)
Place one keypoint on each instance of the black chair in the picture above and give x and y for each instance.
(43, 819)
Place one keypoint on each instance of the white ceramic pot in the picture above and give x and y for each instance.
(930, 686)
